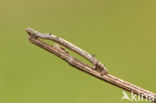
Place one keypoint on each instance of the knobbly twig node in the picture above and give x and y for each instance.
(98, 70)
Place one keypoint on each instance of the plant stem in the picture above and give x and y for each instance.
(74, 62)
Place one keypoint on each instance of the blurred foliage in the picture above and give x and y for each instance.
(121, 33)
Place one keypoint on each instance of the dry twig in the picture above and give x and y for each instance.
(98, 70)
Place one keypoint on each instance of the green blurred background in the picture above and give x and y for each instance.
(120, 32)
